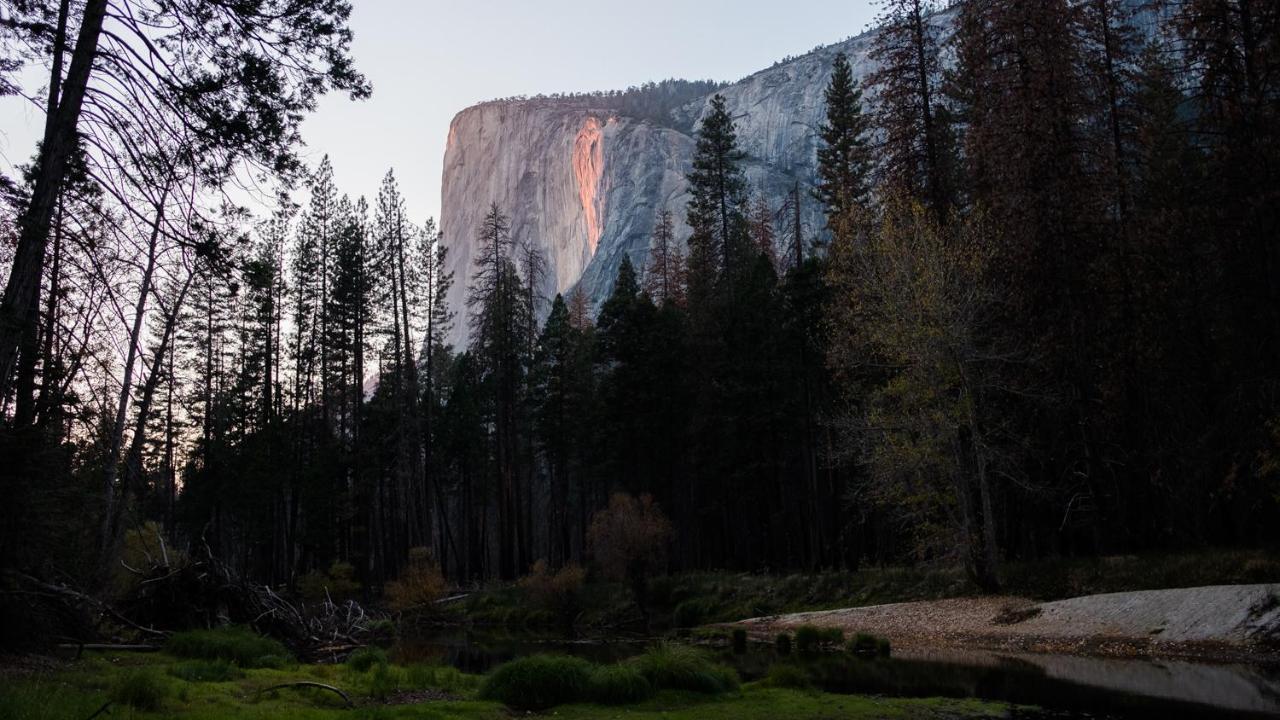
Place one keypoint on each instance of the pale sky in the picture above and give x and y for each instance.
(428, 59)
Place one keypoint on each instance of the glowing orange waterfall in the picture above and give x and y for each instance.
(588, 166)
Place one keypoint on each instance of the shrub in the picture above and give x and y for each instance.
(787, 675)
(538, 682)
(692, 612)
(811, 639)
(419, 586)
(141, 689)
(866, 645)
(629, 540)
(382, 629)
(783, 643)
(239, 645)
(558, 593)
(739, 641)
(668, 666)
(618, 685)
(144, 547)
(206, 671)
(367, 657)
(338, 583)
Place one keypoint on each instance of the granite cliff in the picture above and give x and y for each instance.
(584, 179)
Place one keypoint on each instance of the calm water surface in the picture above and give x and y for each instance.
(1062, 686)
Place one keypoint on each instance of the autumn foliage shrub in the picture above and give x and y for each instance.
(558, 593)
(419, 586)
(629, 540)
(338, 583)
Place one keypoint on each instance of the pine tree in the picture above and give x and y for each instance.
(718, 198)
(917, 154)
(844, 160)
(562, 390)
(760, 228)
(497, 303)
(579, 308)
(664, 276)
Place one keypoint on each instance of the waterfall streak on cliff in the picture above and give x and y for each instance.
(588, 167)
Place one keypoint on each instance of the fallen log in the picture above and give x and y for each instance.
(308, 683)
(109, 647)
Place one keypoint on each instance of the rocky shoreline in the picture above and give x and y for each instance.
(1221, 623)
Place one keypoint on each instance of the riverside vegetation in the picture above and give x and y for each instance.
(219, 674)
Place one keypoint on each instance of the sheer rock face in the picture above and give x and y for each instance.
(585, 184)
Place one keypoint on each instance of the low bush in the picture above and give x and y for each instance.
(365, 658)
(812, 639)
(668, 666)
(558, 593)
(382, 629)
(618, 685)
(419, 586)
(866, 645)
(692, 612)
(239, 645)
(787, 675)
(538, 682)
(206, 671)
(338, 583)
(783, 644)
(141, 689)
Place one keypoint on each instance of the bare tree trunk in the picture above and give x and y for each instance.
(110, 513)
(133, 459)
(22, 290)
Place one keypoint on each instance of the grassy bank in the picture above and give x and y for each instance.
(692, 599)
(158, 685)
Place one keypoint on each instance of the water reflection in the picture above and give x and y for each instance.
(1066, 686)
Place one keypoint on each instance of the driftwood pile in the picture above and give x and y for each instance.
(192, 592)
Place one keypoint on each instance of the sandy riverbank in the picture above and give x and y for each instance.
(1220, 622)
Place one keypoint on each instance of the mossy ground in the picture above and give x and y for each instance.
(81, 687)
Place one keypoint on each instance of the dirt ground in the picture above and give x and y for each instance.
(1218, 623)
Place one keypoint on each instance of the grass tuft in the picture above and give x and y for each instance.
(144, 689)
(811, 639)
(538, 682)
(618, 685)
(668, 666)
(366, 658)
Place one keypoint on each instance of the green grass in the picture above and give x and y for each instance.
(149, 687)
(206, 671)
(143, 689)
(756, 702)
(234, 644)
